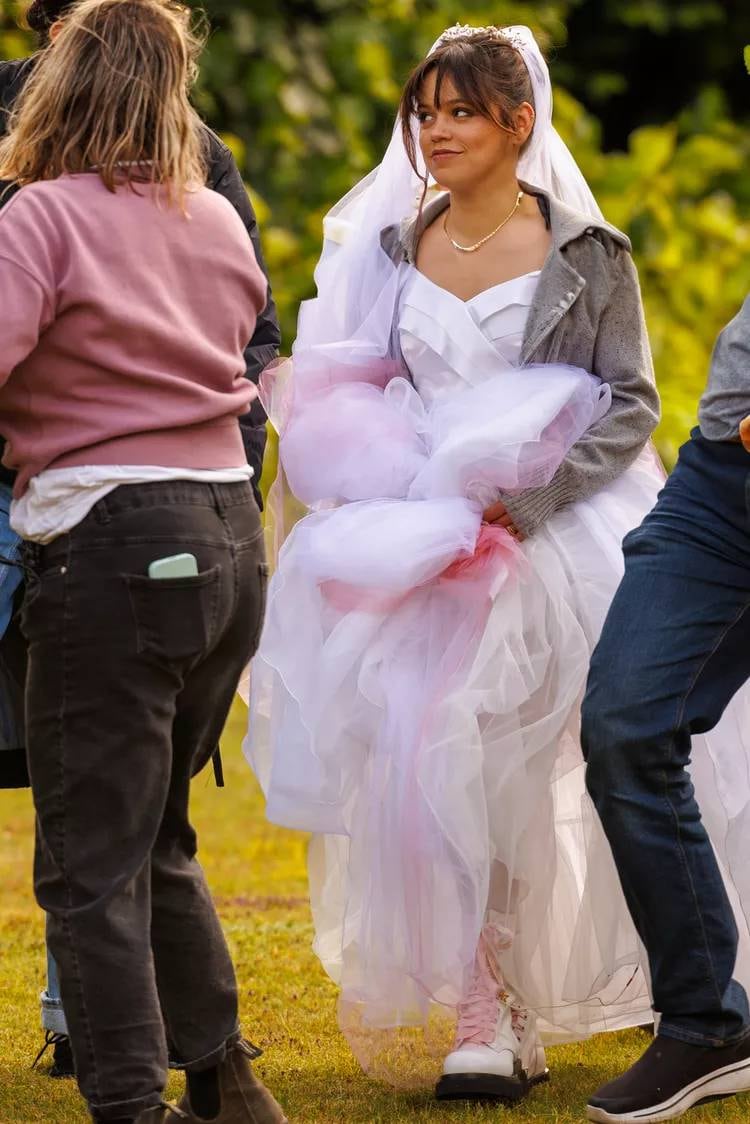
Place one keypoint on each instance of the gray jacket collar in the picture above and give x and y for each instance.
(565, 224)
(560, 283)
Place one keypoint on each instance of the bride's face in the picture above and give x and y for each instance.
(460, 146)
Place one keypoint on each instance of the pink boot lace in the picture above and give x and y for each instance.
(478, 1010)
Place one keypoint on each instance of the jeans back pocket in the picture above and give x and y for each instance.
(175, 618)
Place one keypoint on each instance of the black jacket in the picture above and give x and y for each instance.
(224, 177)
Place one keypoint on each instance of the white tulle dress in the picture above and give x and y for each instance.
(424, 725)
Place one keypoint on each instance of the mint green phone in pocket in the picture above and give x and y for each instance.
(175, 566)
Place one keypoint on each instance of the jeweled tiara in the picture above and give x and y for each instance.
(466, 31)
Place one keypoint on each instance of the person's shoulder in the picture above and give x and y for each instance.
(204, 198)
(14, 70)
(31, 230)
(212, 205)
(58, 191)
(219, 161)
(21, 200)
(46, 202)
(217, 153)
(216, 224)
(27, 223)
(570, 225)
(400, 239)
(223, 176)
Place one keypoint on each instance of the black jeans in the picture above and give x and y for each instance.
(130, 682)
(674, 650)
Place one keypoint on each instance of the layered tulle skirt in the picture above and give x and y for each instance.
(415, 705)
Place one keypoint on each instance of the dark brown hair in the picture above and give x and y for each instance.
(43, 13)
(488, 72)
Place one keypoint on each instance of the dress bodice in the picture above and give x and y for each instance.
(448, 343)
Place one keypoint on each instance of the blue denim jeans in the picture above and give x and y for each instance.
(10, 578)
(674, 650)
(53, 1016)
(10, 548)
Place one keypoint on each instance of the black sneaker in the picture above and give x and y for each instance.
(62, 1059)
(670, 1078)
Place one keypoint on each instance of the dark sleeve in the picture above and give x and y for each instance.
(13, 660)
(225, 178)
(8, 90)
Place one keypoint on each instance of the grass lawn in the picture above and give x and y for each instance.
(257, 873)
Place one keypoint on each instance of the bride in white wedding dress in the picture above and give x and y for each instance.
(467, 420)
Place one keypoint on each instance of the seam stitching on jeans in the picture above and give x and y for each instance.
(702, 667)
(69, 890)
(675, 732)
(92, 545)
(690, 1035)
(711, 974)
(229, 543)
(213, 617)
(232, 544)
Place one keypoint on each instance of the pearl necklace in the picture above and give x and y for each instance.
(481, 242)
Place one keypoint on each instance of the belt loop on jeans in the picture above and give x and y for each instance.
(30, 561)
(216, 492)
(31, 555)
(101, 512)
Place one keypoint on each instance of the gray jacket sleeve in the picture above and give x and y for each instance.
(622, 358)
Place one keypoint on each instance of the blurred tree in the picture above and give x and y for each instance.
(637, 62)
(13, 41)
(305, 92)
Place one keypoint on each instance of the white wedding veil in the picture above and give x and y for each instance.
(351, 318)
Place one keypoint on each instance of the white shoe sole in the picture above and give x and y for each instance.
(722, 1083)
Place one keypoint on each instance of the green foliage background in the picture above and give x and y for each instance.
(305, 94)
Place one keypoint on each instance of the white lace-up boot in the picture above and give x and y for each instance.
(497, 1053)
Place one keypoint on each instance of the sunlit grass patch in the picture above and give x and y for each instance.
(257, 873)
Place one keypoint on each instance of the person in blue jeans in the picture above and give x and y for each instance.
(673, 654)
(12, 664)
(12, 763)
(10, 572)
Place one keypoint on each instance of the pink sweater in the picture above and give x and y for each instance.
(122, 328)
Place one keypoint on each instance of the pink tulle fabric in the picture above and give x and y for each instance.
(356, 432)
(361, 727)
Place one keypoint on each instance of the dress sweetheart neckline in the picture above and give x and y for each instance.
(482, 293)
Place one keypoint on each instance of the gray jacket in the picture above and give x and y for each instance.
(587, 312)
(727, 398)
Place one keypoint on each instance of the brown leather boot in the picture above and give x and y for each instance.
(244, 1099)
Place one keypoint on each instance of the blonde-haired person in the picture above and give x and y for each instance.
(223, 177)
(129, 291)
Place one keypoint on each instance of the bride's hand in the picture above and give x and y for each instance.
(497, 514)
(745, 432)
